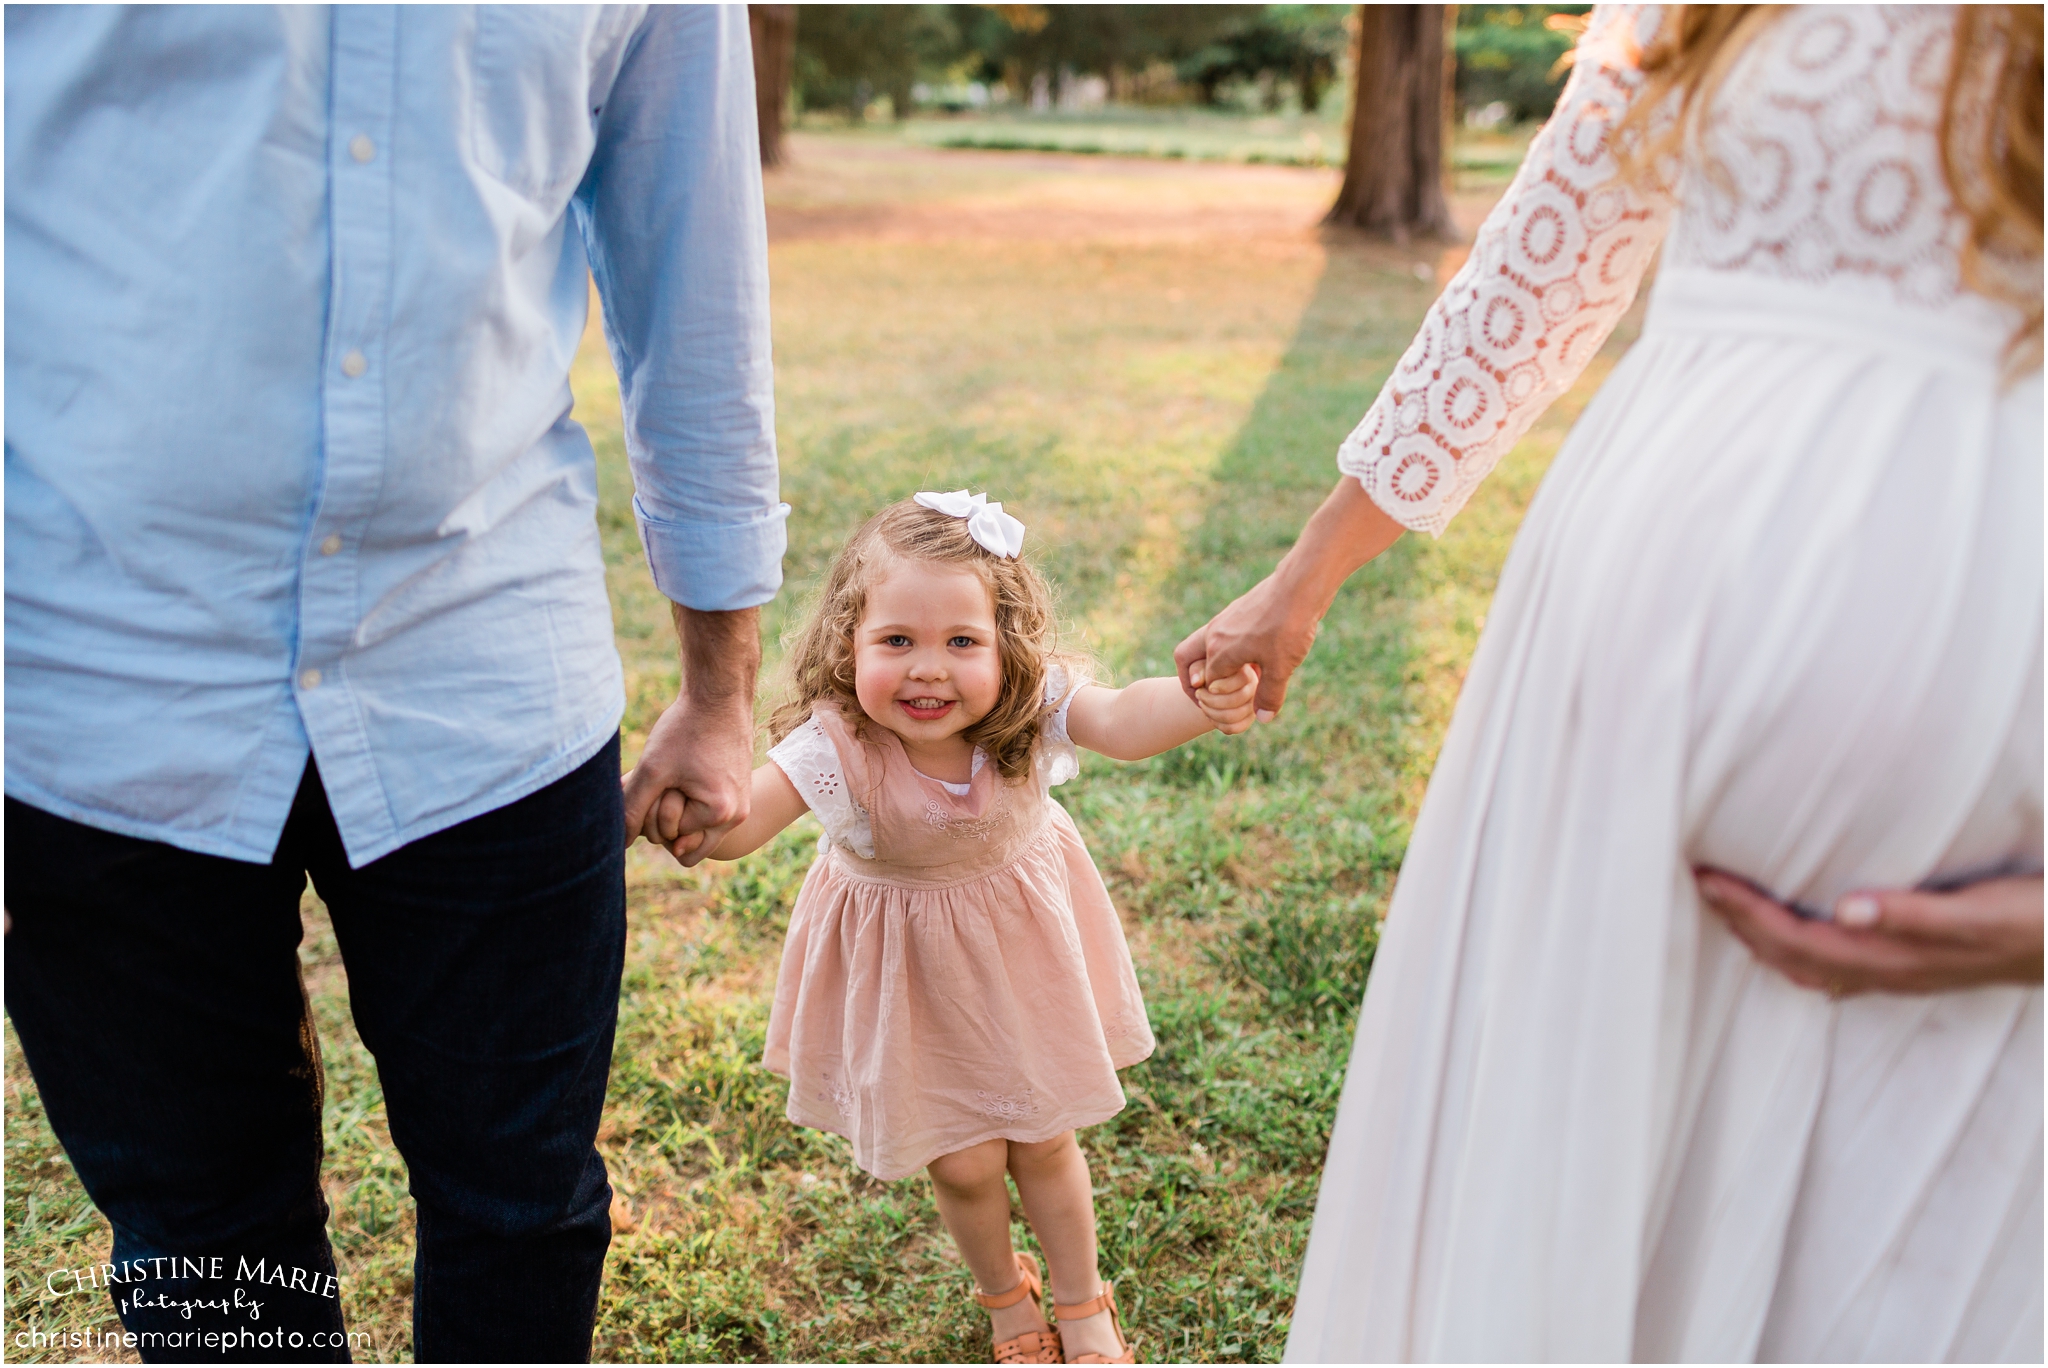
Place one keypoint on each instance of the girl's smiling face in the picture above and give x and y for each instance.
(925, 663)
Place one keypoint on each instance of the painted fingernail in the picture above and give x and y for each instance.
(1858, 909)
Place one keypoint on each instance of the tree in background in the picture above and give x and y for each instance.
(849, 55)
(1299, 43)
(1400, 124)
(1508, 55)
(773, 28)
(1026, 45)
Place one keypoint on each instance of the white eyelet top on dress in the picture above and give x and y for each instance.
(807, 756)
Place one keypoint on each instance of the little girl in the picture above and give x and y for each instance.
(955, 992)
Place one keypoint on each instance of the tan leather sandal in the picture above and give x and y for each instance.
(1033, 1346)
(1104, 1301)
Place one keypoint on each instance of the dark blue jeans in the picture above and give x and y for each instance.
(157, 997)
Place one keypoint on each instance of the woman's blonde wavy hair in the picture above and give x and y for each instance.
(819, 664)
(1990, 130)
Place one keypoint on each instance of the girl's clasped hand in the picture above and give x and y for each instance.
(955, 991)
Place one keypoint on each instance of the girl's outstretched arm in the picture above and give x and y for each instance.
(776, 804)
(1155, 715)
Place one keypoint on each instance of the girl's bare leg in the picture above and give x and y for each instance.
(1052, 1180)
(974, 1202)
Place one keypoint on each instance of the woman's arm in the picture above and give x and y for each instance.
(1555, 266)
(1275, 623)
(1894, 941)
(1552, 271)
(1153, 715)
(776, 804)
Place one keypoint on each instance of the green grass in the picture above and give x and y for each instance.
(1198, 135)
(1190, 134)
(1159, 402)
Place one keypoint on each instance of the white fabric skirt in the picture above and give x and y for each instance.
(1776, 609)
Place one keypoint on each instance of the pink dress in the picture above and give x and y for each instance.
(955, 971)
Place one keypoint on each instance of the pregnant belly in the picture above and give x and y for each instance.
(1825, 563)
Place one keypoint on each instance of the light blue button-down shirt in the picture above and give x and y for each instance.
(291, 300)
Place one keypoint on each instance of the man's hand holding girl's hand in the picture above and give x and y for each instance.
(1230, 702)
(694, 782)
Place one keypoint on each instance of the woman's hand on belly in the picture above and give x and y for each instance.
(1893, 941)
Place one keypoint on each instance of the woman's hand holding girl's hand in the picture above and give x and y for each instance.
(1896, 941)
(1273, 625)
(1230, 703)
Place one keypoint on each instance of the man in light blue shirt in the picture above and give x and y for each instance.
(303, 575)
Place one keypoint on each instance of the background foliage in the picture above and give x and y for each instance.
(1507, 55)
(1256, 56)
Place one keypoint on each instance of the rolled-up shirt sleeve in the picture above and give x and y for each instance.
(678, 245)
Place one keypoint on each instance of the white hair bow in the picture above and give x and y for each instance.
(992, 529)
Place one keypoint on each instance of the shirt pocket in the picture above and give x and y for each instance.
(531, 120)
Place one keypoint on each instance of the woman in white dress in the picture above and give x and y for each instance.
(1776, 611)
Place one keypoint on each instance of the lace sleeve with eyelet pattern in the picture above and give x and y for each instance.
(1056, 749)
(1553, 269)
(809, 758)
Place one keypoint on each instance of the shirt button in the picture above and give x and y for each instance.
(309, 679)
(361, 148)
(331, 545)
(354, 364)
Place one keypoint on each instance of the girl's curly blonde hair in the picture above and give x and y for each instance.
(819, 663)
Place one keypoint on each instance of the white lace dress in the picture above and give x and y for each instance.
(1777, 609)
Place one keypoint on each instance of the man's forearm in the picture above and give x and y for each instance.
(721, 656)
(691, 784)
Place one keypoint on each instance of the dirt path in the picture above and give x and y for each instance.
(851, 186)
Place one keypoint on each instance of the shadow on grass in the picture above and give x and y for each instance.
(1276, 850)
(1278, 469)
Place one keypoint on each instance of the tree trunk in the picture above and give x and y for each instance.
(1309, 81)
(774, 32)
(1400, 124)
(900, 100)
